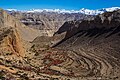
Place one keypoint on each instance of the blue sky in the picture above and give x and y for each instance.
(58, 4)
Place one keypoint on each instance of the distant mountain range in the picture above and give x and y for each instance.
(83, 11)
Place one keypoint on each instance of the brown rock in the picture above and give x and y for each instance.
(13, 43)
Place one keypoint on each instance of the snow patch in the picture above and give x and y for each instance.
(83, 10)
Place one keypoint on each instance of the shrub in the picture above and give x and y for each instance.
(2, 75)
(9, 53)
(24, 77)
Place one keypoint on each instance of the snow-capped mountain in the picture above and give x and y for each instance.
(99, 11)
(83, 10)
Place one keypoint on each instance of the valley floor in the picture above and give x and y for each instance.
(58, 64)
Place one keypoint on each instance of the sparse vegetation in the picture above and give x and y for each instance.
(8, 61)
(9, 53)
(24, 77)
(2, 75)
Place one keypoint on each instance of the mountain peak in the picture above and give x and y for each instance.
(83, 10)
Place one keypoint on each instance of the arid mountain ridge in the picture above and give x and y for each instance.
(48, 22)
(96, 41)
(86, 49)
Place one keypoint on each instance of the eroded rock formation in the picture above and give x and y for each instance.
(12, 43)
(13, 33)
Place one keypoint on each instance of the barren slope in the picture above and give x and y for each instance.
(95, 44)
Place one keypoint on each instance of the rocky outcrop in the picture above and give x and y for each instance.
(12, 43)
(13, 34)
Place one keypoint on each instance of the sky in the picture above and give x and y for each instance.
(58, 4)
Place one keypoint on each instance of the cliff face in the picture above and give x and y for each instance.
(11, 42)
(13, 33)
(10, 38)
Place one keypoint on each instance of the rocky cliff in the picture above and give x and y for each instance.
(13, 33)
(11, 42)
